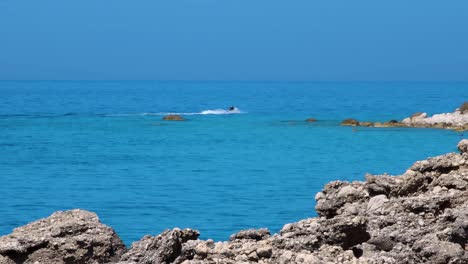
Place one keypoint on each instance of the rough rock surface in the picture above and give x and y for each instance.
(457, 120)
(75, 236)
(418, 217)
(164, 248)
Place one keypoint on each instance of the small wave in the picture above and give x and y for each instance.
(74, 114)
(221, 112)
(204, 112)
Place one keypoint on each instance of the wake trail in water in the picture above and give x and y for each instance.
(73, 114)
(204, 112)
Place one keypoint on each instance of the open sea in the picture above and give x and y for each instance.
(102, 146)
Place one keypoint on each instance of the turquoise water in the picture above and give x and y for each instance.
(102, 146)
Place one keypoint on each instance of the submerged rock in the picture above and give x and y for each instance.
(173, 118)
(420, 216)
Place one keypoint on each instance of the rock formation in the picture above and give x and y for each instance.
(75, 236)
(457, 120)
(164, 248)
(173, 118)
(350, 122)
(418, 217)
(464, 108)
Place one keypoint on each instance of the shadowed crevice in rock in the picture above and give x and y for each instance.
(357, 252)
(354, 236)
(19, 256)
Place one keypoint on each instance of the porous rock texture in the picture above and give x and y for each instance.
(74, 236)
(418, 217)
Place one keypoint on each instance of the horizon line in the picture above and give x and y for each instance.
(212, 80)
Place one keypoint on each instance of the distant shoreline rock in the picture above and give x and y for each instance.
(458, 120)
(418, 217)
(350, 122)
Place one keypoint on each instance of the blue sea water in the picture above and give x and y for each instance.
(102, 146)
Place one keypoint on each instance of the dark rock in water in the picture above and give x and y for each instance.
(65, 237)
(350, 122)
(391, 123)
(464, 108)
(173, 118)
(311, 120)
(418, 217)
(366, 124)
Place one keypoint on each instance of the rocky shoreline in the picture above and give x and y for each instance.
(418, 217)
(458, 120)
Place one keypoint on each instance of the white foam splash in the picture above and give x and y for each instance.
(220, 112)
(204, 112)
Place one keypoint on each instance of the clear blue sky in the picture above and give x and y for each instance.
(234, 39)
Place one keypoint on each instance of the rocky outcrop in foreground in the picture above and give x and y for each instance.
(74, 236)
(457, 120)
(418, 217)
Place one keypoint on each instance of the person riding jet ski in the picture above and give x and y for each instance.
(231, 108)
